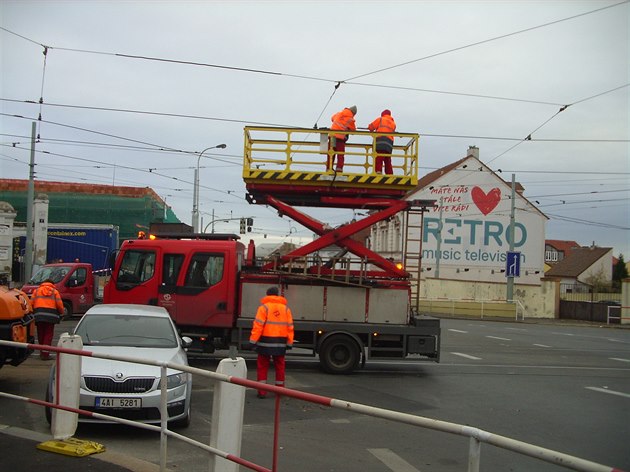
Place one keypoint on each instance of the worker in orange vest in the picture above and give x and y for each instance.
(343, 120)
(47, 311)
(384, 144)
(271, 336)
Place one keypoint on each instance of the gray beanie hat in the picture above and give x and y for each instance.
(353, 109)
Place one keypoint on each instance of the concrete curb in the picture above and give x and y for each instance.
(125, 461)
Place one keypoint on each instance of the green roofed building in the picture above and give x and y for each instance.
(132, 209)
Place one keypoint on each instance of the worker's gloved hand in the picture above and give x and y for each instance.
(289, 348)
(253, 347)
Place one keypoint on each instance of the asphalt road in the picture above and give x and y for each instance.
(562, 387)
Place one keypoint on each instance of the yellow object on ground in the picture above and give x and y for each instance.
(72, 447)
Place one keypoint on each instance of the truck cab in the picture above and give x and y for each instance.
(196, 280)
(76, 284)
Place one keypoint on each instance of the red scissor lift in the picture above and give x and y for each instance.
(290, 172)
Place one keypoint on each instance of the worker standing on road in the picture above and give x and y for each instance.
(47, 311)
(271, 336)
(384, 144)
(343, 120)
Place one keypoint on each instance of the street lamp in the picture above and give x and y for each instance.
(195, 210)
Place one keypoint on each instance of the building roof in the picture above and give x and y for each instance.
(41, 186)
(577, 261)
(562, 246)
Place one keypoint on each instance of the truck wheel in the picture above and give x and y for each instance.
(67, 311)
(339, 355)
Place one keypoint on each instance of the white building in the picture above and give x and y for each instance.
(465, 236)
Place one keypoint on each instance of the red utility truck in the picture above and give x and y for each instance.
(211, 285)
(76, 282)
(346, 309)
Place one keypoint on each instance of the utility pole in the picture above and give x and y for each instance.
(30, 198)
(509, 296)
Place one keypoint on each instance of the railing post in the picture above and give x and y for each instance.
(67, 384)
(474, 454)
(228, 405)
(163, 417)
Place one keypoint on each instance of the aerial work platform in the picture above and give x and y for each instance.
(291, 165)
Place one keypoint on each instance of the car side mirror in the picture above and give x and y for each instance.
(186, 342)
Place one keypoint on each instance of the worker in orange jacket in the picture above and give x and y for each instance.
(271, 336)
(47, 311)
(384, 144)
(343, 121)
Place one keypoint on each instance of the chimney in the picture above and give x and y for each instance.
(473, 151)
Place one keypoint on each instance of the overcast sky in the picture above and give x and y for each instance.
(123, 79)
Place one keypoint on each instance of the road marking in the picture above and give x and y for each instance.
(467, 356)
(619, 359)
(605, 390)
(393, 461)
(516, 329)
(541, 345)
(457, 330)
(500, 339)
(564, 334)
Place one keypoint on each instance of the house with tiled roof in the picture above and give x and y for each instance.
(556, 250)
(465, 235)
(581, 265)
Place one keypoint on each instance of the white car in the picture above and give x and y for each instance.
(123, 389)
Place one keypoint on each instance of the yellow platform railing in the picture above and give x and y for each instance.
(301, 155)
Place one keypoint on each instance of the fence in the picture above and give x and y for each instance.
(472, 307)
(476, 436)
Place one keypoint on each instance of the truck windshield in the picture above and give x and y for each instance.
(55, 274)
(136, 267)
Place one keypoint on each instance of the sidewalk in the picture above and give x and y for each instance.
(19, 452)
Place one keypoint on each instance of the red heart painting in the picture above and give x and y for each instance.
(486, 202)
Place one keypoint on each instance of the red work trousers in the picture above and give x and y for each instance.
(340, 150)
(383, 159)
(45, 332)
(262, 368)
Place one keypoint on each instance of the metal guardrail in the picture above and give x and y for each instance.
(476, 435)
(468, 307)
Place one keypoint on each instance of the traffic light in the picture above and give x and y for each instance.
(242, 226)
(250, 223)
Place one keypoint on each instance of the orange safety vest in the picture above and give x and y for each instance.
(47, 304)
(343, 120)
(383, 124)
(272, 331)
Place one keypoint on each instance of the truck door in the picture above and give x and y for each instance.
(135, 280)
(79, 289)
(167, 291)
(203, 300)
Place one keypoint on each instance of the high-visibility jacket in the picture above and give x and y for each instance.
(272, 331)
(343, 120)
(47, 304)
(383, 124)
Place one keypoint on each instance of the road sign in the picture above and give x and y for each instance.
(513, 264)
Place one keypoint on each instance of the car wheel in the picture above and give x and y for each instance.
(47, 409)
(185, 421)
(67, 311)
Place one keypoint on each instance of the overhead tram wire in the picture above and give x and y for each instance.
(459, 48)
(299, 76)
(137, 169)
(563, 108)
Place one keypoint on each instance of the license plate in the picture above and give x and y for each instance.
(108, 402)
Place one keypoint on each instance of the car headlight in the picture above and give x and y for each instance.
(175, 380)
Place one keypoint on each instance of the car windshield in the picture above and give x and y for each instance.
(56, 274)
(126, 330)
